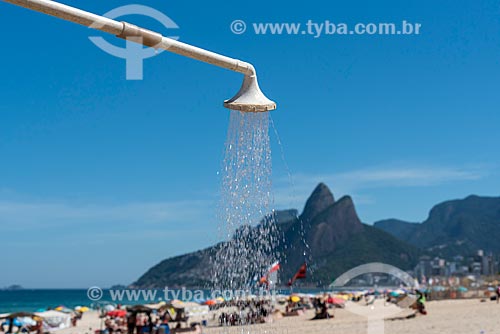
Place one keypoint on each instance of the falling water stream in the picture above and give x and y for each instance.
(291, 184)
(245, 204)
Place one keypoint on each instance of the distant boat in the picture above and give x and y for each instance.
(14, 287)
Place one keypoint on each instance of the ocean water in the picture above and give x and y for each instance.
(33, 300)
(36, 299)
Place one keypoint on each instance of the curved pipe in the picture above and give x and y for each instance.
(249, 98)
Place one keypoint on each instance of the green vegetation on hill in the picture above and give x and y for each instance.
(457, 227)
(328, 235)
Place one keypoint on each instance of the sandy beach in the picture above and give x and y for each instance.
(446, 317)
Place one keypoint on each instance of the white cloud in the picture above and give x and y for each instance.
(18, 215)
(409, 176)
(356, 181)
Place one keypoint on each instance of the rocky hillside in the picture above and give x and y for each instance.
(453, 227)
(398, 228)
(328, 235)
(334, 240)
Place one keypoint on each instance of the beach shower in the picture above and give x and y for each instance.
(246, 198)
(248, 99)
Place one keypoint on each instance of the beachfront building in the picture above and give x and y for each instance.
(479, 264)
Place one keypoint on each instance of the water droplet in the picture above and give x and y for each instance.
(245, 201)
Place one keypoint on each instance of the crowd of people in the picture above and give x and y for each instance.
(141, 322)
(248, 313)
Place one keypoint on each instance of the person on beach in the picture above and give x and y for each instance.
(421, 302)
(498, 293)
(321, 310)
(131, 321)
(109, 325)
(140, 322)
(74, 320)
(39, 327)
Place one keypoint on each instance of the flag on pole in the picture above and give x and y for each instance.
(272, 269)
(301, 274)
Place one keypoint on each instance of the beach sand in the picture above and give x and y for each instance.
(444, 317)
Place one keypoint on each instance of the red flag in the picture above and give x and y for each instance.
(301, 274)
(275, 267)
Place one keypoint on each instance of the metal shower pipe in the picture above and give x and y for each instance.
(248, 99)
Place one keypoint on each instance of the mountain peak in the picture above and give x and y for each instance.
(474, 219)
(320, 199)
(342, 217)
(332, 239)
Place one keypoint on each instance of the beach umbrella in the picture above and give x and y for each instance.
(62, 308)
(295, 299)
(177, 303)
(190, 304)
(11, 319)
(65, 310)
(19, 315)
(117, 313)
(336, 301)
(83, 309)
(139, 308)
(27, 321)
(210, 302)
(15, 322)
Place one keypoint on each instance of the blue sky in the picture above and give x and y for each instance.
(101, 178)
